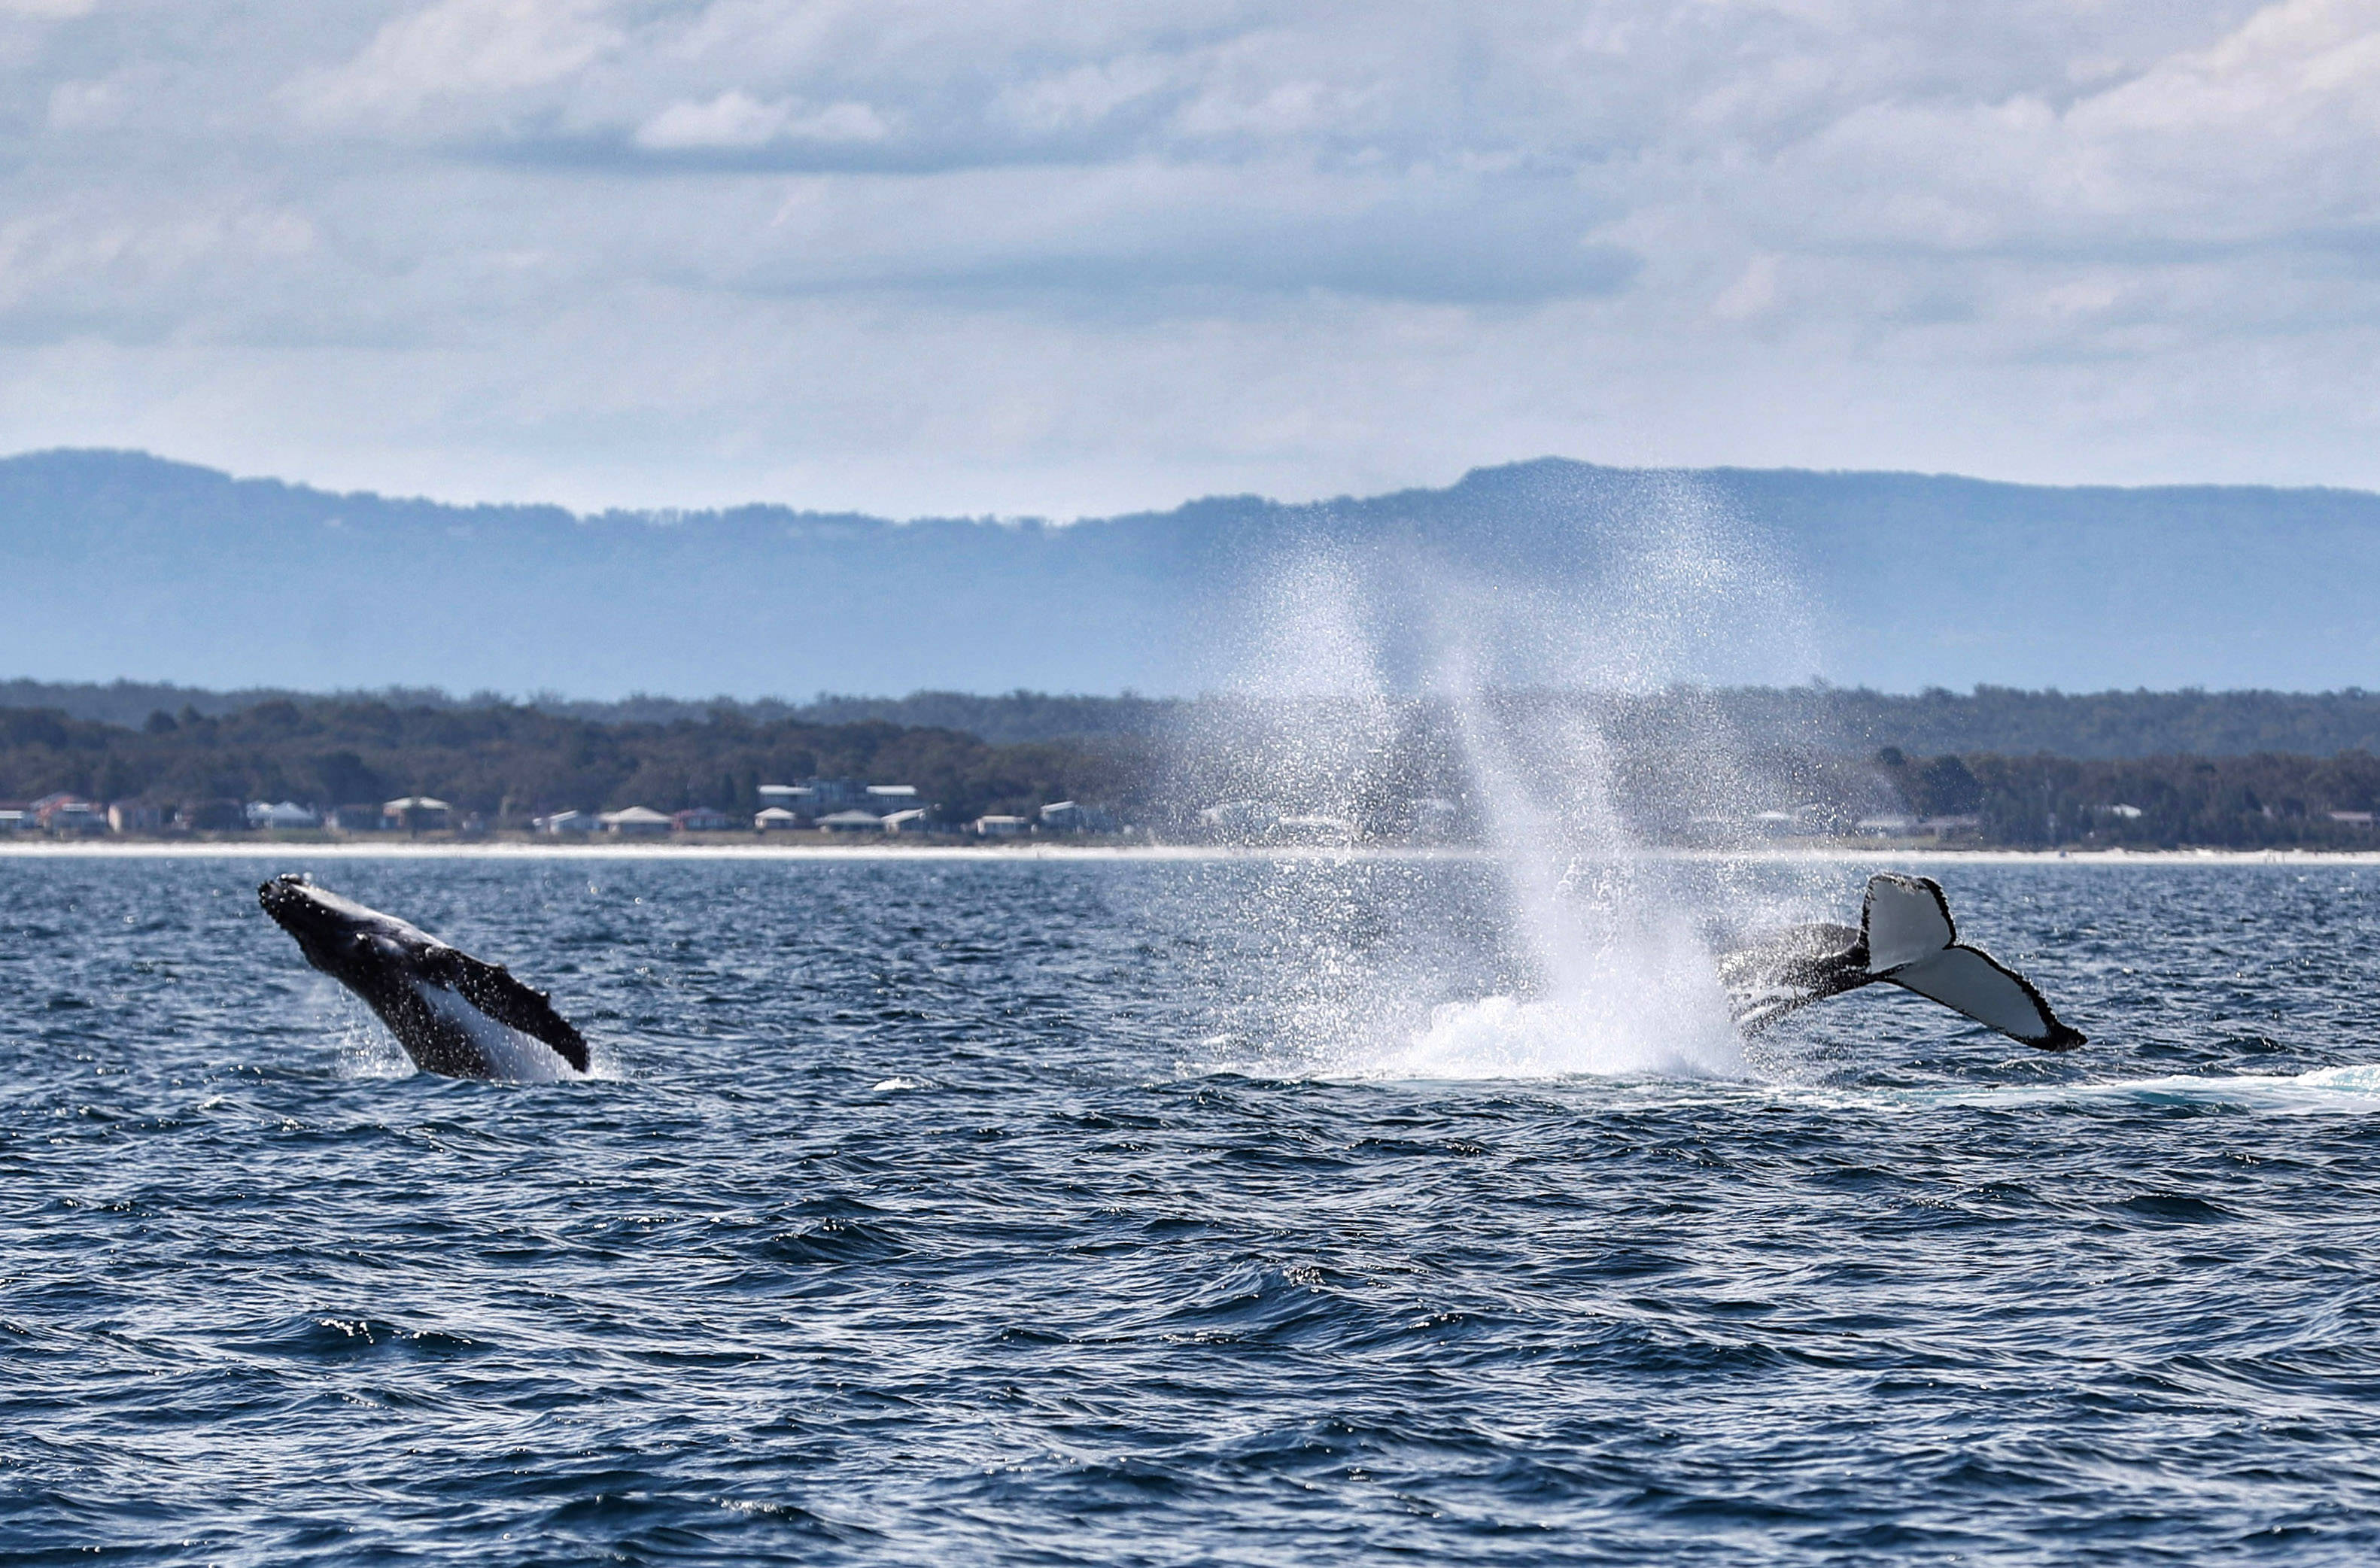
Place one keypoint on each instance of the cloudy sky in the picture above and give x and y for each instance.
(1039, 256)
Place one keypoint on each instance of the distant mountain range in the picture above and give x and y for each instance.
(121, 565)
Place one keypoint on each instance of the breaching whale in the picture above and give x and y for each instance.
(1905, 938)
(453, 1014)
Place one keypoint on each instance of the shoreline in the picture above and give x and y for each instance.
(1853, 854)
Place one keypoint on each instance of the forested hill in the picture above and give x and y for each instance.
(2085, 726)
(121, 564)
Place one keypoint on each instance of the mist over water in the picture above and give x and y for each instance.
(1546, 681)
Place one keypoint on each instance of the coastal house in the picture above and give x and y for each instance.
(1063, 817)
(132, 817)
(16, 817)
(281, 814)
(814, 798)
(69, 816)
(357, 819)
(635, 821)
(853, 821)
(702, 819)
(885, 799)
(776, 819)
(912, 820)
(1001, 827)
(416, 813)
(559, 823)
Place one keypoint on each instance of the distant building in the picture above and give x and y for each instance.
(703, 820)
(1950, 827)
(852, 823)
(814, 798)
(912, 820)
(1063, 817)
(361, 819)
(2357, 819)
(284, 814)
(1001, 827)
(132, 817)
(636, 822)
(416, 813)
(69, 816)
(1885, 827)
(885, 799)
(562, 823)
(776, 819)
(16, 818)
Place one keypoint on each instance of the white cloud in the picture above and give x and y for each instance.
(462, 48)
(1061, 256)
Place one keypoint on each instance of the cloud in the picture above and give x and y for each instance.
(461, 49)
(734, 120)
(613, 249)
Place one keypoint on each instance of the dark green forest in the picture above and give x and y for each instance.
(508, 763)
(1854, 721)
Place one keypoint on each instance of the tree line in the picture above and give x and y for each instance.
(1854, 721)
(508, 762)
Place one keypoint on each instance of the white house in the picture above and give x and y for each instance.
(636, 822)
(284, 814)
(1000, 827)
(776, 819)
(562, 823)
(415, 812)
(852, 823)
(885, 799)
(912, 820)
(131, 817)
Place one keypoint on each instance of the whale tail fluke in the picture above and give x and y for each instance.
(1913, 942)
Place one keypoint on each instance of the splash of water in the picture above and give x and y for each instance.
(1550, 698)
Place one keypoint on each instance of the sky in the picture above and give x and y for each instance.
(1034, 257)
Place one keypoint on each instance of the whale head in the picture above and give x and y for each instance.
(338, 935)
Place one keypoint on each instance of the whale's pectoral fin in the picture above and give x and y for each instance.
(492, 990)
(1969, 980)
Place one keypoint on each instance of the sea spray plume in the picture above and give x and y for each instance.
(1537, 677)
(452, 1015)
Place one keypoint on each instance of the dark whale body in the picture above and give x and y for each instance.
(453, 1014)
(1905, 938)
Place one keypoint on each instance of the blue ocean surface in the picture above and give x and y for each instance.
(1075, 1211)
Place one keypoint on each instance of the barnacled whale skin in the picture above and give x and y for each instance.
(453, 1014)
(1905, 938)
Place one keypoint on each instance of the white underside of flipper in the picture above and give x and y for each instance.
(512, 1056)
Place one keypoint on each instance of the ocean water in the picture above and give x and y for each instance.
(1073, 1212)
